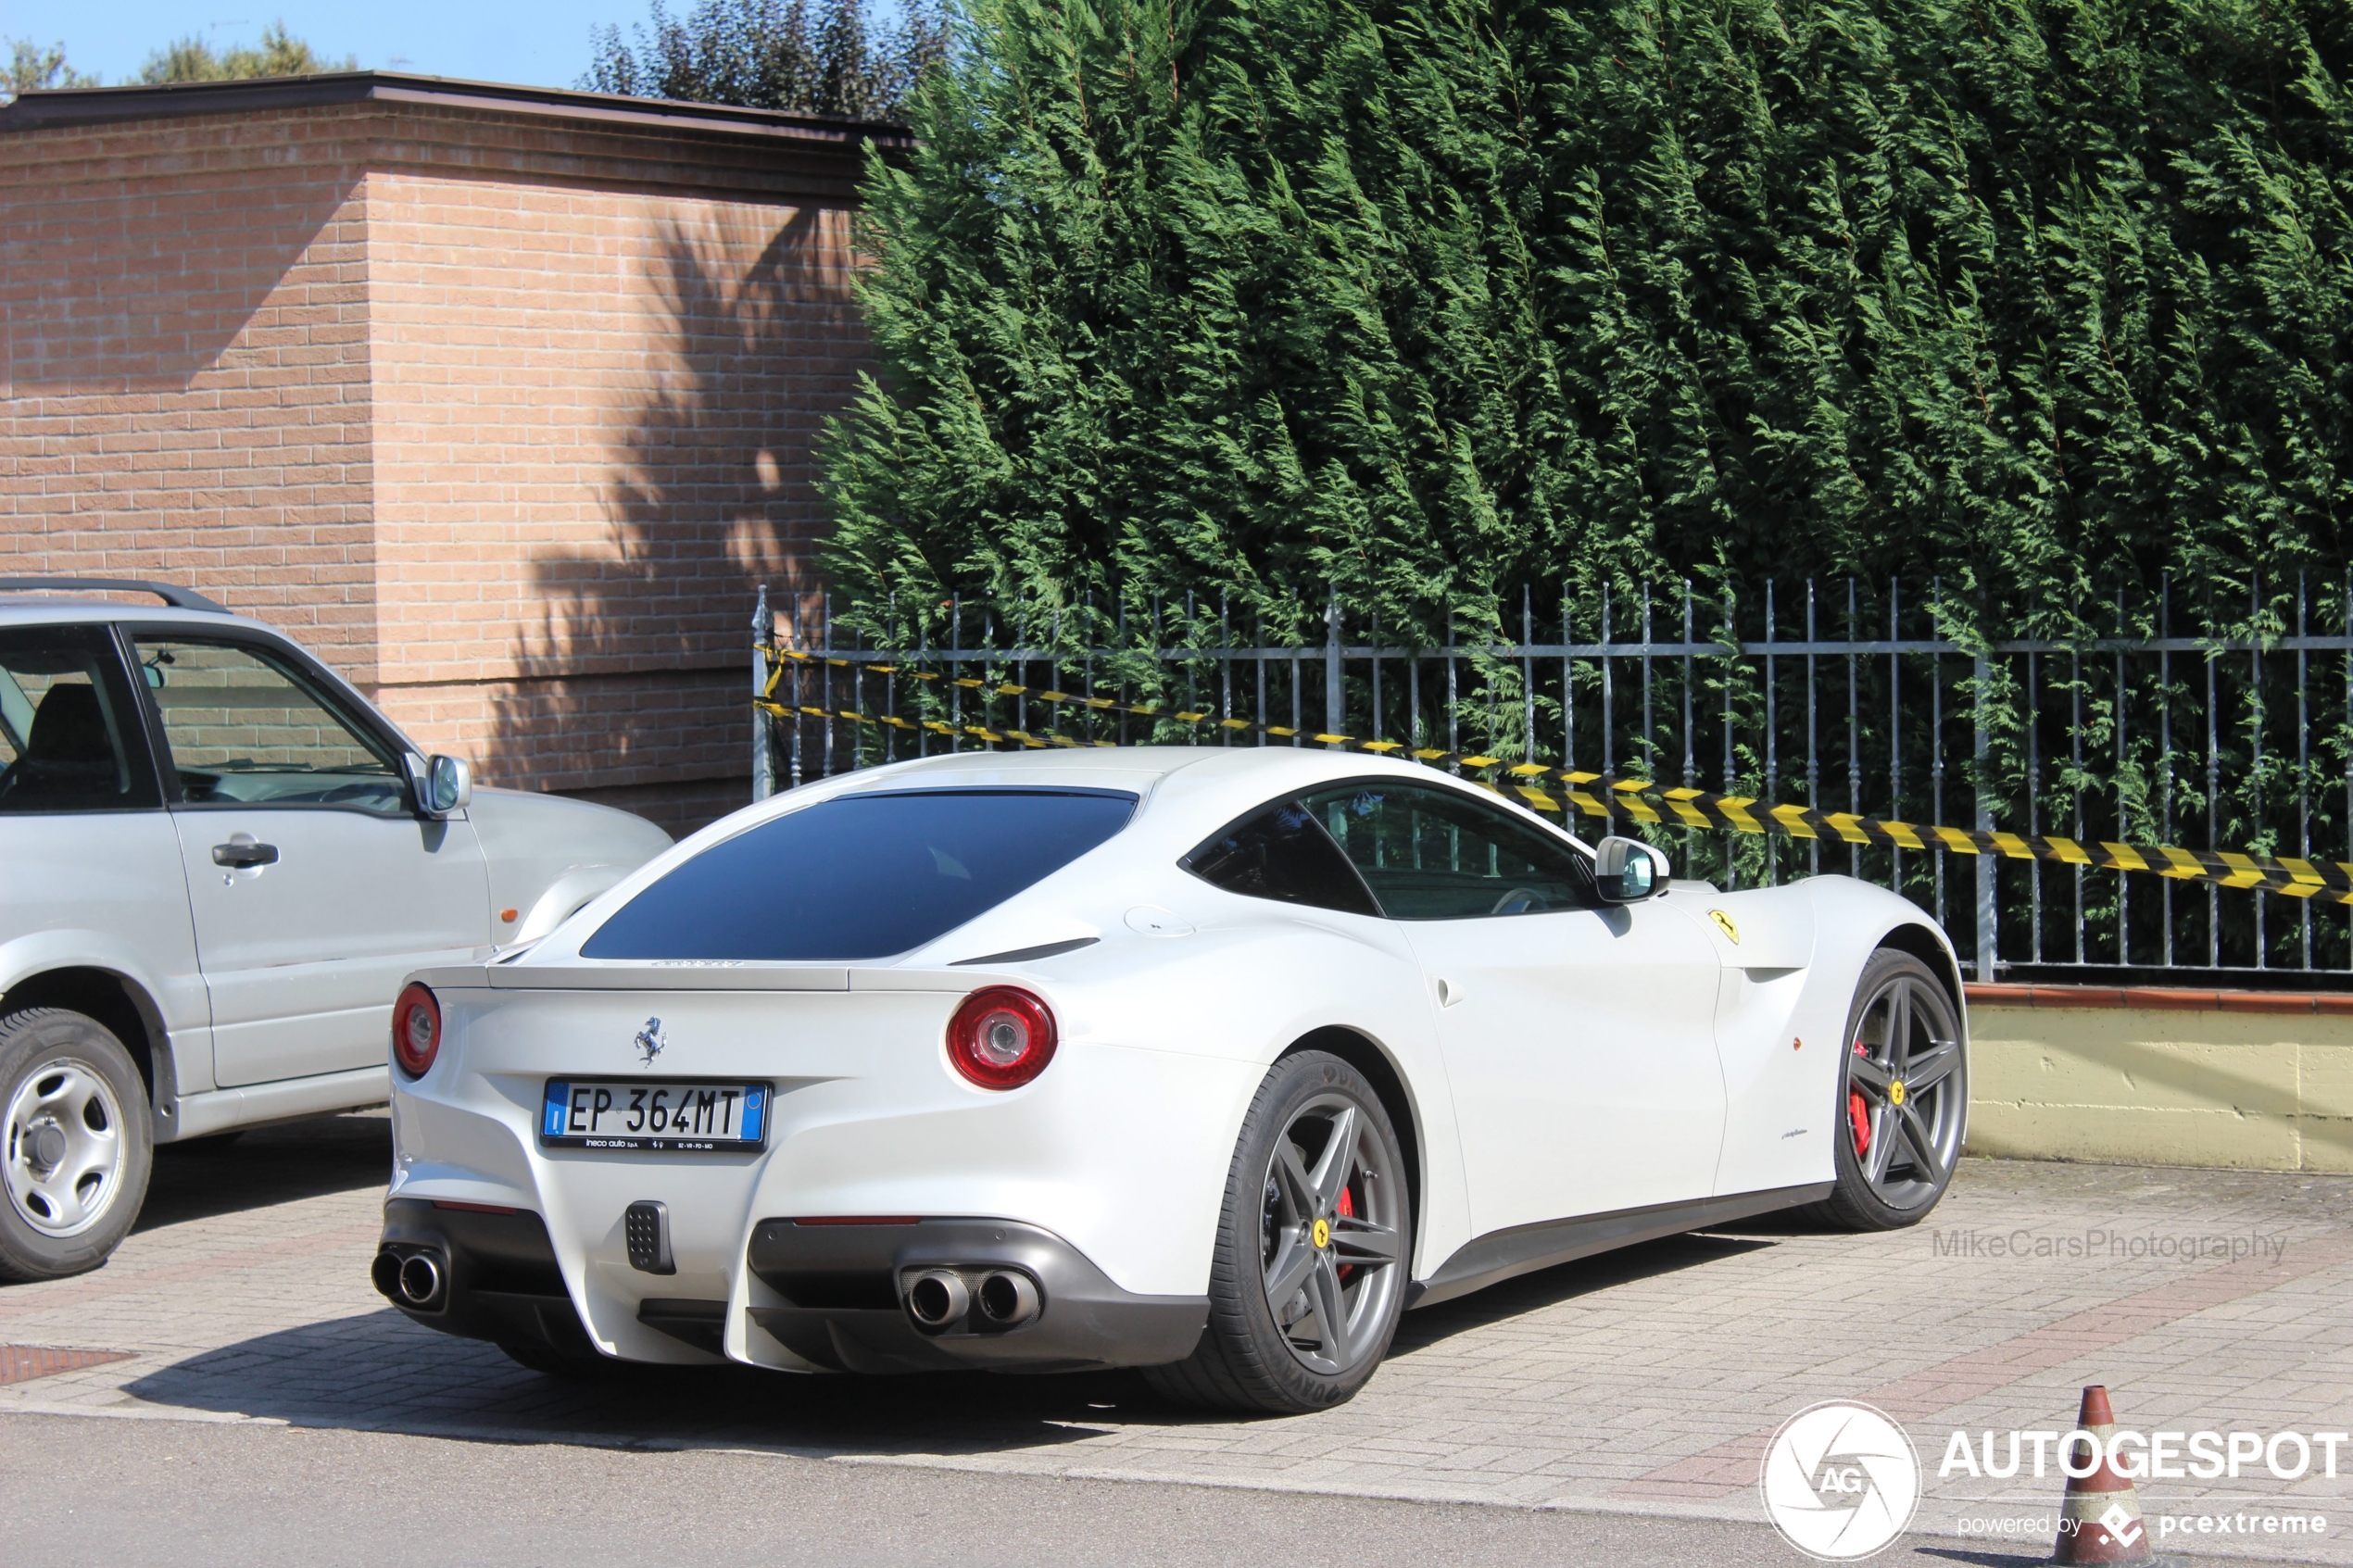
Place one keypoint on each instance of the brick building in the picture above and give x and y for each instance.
(501, 399)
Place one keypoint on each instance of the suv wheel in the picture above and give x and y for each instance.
(75, 1144)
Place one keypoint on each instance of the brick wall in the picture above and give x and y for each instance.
(504, 412)
(184, 368)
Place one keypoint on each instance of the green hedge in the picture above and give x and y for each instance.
(1426, 301)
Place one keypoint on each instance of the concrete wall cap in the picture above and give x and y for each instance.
(2156, 998)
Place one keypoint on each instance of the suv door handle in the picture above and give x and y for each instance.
(245, 853)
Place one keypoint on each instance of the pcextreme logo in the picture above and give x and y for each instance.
(1839, 1481)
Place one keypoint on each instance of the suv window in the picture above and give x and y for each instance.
(1280, 852)
(1437, 854)
(860, 876)
(66, 723)
(245, 728)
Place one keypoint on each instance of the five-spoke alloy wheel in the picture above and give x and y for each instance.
(1903, 1100)
(75, 1149)
(1312, 1248)
(1333, 1202)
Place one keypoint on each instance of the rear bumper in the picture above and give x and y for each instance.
(841, 1289)
(501, 1279)
(844, 1288)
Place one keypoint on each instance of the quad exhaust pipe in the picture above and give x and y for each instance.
(1007, 1299)
(414, 1279)
(939, 1299)
(420, 1279)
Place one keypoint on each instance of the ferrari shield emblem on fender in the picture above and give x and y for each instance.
(1724, 924)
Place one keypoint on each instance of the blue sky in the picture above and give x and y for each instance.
(543, 42)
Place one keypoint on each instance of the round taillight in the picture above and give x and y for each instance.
(1002, 1037)
(416, 1030)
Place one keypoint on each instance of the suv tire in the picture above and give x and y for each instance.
(76, 1145)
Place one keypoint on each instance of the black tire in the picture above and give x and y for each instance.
(1271, 1228)
(76, 1145)
(1896, 1139)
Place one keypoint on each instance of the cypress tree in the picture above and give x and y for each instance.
(1418, 301)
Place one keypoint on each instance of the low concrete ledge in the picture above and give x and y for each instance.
(2151, 999)
(2249, 1080)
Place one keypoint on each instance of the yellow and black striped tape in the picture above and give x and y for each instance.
(1640, 800)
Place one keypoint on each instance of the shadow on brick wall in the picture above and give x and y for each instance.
(639, 666)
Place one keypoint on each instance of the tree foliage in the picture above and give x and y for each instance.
(193, 59)
(827, 58)
(1423, 299)
(33, 68)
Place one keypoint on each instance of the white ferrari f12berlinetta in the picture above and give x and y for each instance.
(1207, 1061)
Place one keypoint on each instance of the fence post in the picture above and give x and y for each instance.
(1335, 698)
(1987, 944)
(763, 752)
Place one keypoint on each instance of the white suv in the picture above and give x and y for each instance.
(217, 863)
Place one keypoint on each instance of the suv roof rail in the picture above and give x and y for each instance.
(171, 593)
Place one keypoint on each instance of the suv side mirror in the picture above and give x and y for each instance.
(1627, 871)
(439, 786)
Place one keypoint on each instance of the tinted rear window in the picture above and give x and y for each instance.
(862, 877)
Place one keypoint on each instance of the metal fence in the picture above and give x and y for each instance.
(2157, 722)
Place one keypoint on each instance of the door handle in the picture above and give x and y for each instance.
(247, 853)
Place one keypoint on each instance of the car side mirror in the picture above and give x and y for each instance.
(1627, 871)
(439, 786)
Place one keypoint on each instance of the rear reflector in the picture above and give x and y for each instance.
(473, 1208)
(862, 1220)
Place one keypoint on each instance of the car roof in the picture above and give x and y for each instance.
(42, 610)
(1122, 767)
(1214, 783)
(1134, 767)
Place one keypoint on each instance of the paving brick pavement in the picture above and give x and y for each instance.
(1647, 1381)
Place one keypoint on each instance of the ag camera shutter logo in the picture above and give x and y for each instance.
(1839, 1481)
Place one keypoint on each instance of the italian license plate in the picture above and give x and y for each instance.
(701, 1118)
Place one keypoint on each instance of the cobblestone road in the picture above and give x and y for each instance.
(1646, 1382)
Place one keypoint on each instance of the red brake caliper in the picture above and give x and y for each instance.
(1345, 1208)
(1858, 1114)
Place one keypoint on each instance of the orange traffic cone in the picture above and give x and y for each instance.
(2100, 1516)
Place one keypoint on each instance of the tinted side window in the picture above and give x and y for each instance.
(246, 730)
(1278, 851)
(1434, 854)
(67, 726)
(860, 876)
